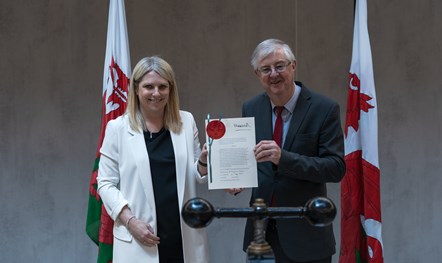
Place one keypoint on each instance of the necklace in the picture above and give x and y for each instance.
(143, 124)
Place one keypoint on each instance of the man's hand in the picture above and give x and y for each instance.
(267, 150)
(234, 191)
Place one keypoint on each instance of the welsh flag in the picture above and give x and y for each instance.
(117, 70)
(361, 224)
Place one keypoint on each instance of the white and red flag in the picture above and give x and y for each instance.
(361, 223)
(117, 71)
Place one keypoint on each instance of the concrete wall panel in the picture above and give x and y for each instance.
(51, 68)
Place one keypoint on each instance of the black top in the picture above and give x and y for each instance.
(162, 165)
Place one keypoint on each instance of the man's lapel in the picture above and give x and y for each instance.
(301, 109)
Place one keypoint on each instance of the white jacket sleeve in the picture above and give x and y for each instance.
(108, 178)
(197, 152)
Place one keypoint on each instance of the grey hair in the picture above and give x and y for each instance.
(268, 47)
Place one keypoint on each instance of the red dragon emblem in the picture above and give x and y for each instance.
(120, 82)
(356, 101)
(113, 107)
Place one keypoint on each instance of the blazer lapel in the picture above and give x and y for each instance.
(301, 109)
(141, 156)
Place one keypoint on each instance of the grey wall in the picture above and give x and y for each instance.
(51, 67)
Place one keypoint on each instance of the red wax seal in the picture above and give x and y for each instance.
(215, 129)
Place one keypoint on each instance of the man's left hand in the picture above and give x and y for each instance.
(267, 150)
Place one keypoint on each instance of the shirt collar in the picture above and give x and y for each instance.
(291, 104)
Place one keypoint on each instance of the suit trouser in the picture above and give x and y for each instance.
(280, 257)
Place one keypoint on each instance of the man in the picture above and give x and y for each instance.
(295, 165)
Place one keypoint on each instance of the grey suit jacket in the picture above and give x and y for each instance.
(312, 155)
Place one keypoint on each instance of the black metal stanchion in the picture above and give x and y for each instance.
(259, 251)
(319, 211)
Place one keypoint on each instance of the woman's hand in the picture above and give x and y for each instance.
(203, 155)
(202, 161)
(143, 232)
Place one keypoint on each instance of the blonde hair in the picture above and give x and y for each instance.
(172, 119)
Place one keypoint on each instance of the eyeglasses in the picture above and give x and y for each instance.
(279, 68)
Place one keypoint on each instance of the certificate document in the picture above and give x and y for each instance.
(231, 160)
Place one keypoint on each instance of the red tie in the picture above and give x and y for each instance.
(277, 131)
(277, 137)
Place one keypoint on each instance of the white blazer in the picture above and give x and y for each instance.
(124, 178)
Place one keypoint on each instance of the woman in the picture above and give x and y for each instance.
(150, 161)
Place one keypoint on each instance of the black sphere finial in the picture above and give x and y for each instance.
(197, 213)
(320, 211)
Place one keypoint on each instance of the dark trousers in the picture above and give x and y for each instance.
(280, 257)
(171, 253)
